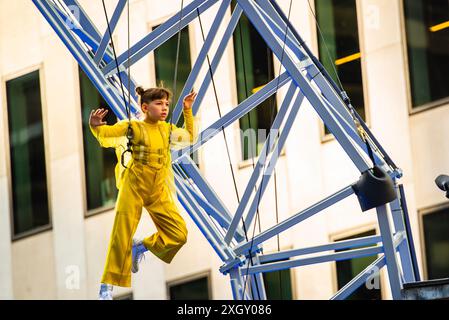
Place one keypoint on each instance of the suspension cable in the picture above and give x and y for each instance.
(175, 80)
(266, 150)
(129, 133)
(224, 133)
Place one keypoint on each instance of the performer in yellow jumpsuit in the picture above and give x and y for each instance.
(146, 183)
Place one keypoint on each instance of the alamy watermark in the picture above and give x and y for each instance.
(251, 143)
(73, 17)
(373, 280)
(72, 280)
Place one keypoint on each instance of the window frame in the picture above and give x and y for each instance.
(248, 163)
(444, 102)
(44, 110)
(192, 277)
(326, 138)
(353, 231)
(103, 209)
(421, 214)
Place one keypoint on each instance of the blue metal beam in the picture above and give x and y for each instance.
(340, 256)
(238, 112)
(341, 245)
(203, 54)
(273, 161)
(161, 34)
(390, 252)
(267, 148)
(235, 17)
(81, 56)
(302, 82)
(360, 279)
(107, 36)
(294, 220)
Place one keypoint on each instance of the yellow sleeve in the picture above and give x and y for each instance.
(188, 120)
(182, 137)
(110, 136)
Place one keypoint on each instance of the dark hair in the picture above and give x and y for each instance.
(148, 95)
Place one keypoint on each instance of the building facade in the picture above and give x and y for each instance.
(57, 187)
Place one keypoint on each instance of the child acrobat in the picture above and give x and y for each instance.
(147, 182)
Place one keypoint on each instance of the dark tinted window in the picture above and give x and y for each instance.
(349, 269)
(340, 47)
(427, 26)
(27, 149)
(192, 290)
(254, 69)
(436, 237)
(99, 162)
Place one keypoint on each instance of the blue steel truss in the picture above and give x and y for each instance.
(305, 79)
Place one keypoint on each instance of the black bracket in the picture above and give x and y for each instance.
(374, 189)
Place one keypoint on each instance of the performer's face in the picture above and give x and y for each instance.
(156, 110)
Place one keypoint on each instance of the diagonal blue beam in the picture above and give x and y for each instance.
(272, 164)
(301, 80)
(241, 110)
(279, 27)
(340, 256)
(222, 220)
(206, 228)
(359, 280)
(340, 245)
(388, 240)
(84, 60)
(88, 33)
(294, 220)
(85, 36)
(326, 80)
(325, 83)
(267, 148)
(107, 36)
(84, 20)
(201, 58)
(235, 17)
(353, 135)
(193, 173)
(161, 34)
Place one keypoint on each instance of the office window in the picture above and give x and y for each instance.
(349, 269)
(436, 243)
(28, 170)
(254, 69)
(278, 285)
(427, 27)
(340, 48)
(197, 289)
(99, 162)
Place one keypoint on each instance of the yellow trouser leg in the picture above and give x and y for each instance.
(171, 232)
(117, 270)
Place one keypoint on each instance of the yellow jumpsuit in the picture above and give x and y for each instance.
(147, 183)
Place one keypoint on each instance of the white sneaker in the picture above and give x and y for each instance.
(105, 292)
(138, 253)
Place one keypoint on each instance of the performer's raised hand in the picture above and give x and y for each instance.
(96, 117)
(189, 99)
